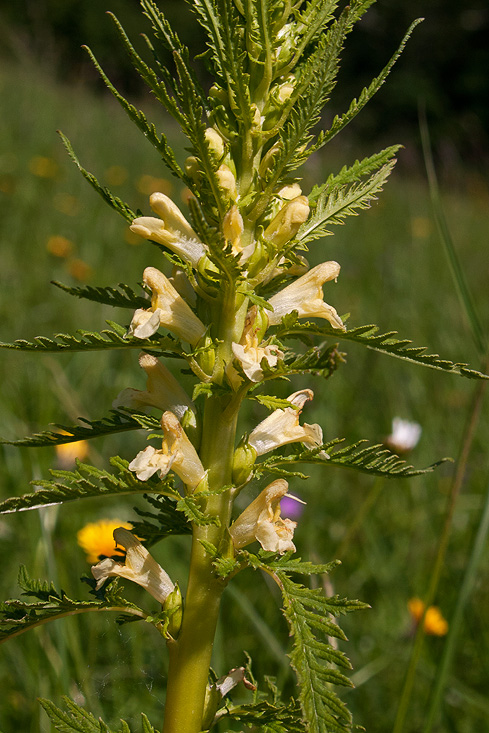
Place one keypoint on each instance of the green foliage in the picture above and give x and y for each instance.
(271, 717)
(121, 297)
(385, 343)
(117, 422)
(93, 341)
(78, 720)
(87, 482)
(376, 460)
(315, 655)
(17, 616)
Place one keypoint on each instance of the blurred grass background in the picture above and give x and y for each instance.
(394, 273)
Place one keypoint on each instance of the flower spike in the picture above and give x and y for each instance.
(168, 309)
(177, 454)
(172, 229)
(305, 296)
(282, 427)
(139, 567)
(261, 521)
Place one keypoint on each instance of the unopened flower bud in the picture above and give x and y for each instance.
(227, 181)
(193, 169)
(173, 605)
(215, 142)
(232, 228)
(267, 162)
(286, 224)
(243, 462)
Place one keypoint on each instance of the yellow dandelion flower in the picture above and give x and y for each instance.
(97, 538)
(43, 167)
(434, 622)
(59, 246)
(80, 270)
(67, 453)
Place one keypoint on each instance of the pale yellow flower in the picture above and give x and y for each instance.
(283, 427)
(97, 538)
(172, 229)
(162, 391)
(139, 566)
(168, 309)
(177, 454)
(227, 181)
(250, 353)
(261, 521)
(305, 295)
(285, 225)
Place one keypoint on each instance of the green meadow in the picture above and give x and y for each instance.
(395, 273)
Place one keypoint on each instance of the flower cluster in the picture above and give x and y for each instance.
(174, 305)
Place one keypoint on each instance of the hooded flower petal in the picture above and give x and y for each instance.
(287, 222)
(305, 295)
(250, 353)
(172, 230)
(177, 453)
(162, 390)
(261, 521)
(168, 309)
(282, 427)
(139, 567)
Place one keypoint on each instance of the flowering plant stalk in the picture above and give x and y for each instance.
(230, 301)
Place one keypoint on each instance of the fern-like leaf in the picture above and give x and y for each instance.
(87, 482)
(159, 141)
(385, 343)
(122, 296)
(334, 207)
(116, 422)
(366, 95)
(310, 617)
(375, 460)
(116, 203)
(78, 720)
(18, 616)
(93, 341)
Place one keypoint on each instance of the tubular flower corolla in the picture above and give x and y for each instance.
(172, 229)
(139, 567)
(286, 223)
(177, 453)
(249, 353)
(261, 521)
(305, 295)
(162, 390)
(168, 309)
(282, 427)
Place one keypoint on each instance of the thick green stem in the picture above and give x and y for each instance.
(190, 654)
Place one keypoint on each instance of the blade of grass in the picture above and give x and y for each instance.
(463, 291)
(467, 439)
(456, 620)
